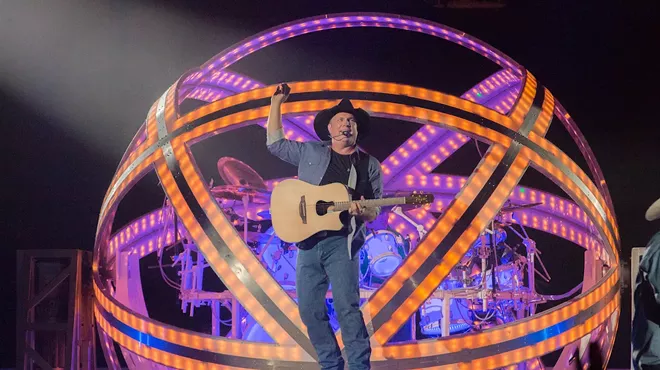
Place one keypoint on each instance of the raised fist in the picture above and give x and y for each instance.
(281, 94)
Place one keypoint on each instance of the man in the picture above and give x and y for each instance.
(646, 323)
(330, 257)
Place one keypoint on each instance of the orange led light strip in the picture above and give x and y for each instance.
(154, 354)
(219, 345)
(352, 86)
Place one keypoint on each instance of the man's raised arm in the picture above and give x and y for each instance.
(287, 150)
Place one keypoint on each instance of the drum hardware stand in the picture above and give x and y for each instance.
(493, 244)
(530, 245)
(236, 331)
(465, 279)
(420, 228)
(533, 254)
(484, 252)
(445, 316)
(246, 202)
(525, 301)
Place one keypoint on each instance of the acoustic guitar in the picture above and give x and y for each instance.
(300, 210)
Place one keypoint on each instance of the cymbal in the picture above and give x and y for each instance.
(235, 172)
(515, 207)
(265, 214)
(233, 192)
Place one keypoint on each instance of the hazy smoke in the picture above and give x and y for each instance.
(96, 67)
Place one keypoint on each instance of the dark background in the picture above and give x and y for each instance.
(77, 79)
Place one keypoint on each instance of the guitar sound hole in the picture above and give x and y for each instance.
(322, 207)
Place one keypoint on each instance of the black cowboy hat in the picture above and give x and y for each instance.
(362, 119)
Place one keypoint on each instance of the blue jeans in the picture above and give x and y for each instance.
(328, 263)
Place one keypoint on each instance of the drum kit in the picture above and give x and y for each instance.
(466, 300)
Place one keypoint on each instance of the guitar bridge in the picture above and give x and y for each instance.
(302, 210)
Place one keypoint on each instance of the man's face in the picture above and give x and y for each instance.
(343, 122)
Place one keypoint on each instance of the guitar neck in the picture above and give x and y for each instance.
(343, 206)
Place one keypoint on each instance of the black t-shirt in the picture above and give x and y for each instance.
(339, 168)
(338, 171)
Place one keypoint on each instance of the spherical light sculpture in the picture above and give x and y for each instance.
(510, 110)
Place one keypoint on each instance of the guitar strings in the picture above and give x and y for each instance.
(342, 202)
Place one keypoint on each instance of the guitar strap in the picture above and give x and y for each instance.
(352, 183)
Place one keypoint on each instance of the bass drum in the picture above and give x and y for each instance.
(253, 332)
(431, 317)
(382, 253)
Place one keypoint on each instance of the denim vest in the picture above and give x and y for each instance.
(312, 159)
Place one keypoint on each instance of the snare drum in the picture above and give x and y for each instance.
(279, 259)
(382, 253)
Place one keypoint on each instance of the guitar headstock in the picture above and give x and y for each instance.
(419, 199)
